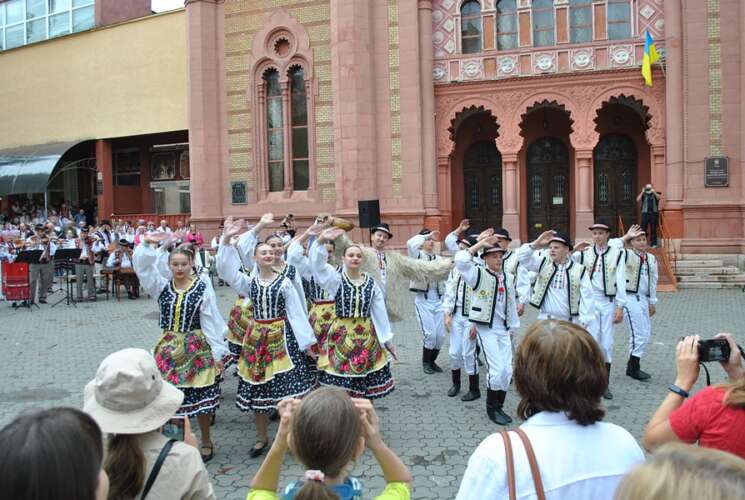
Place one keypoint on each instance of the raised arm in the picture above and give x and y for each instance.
(527, 254)
(328, 278)
(229, 269)
(295, 309)
(379, 316)
(145, 261)
(414, 245)
(467, 269)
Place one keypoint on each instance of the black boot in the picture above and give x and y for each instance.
(473, 389)
(426, 358)
(494, 402)
(608, 394)
(455, 389)
(478, 355)
(435, 353)
(634, 371)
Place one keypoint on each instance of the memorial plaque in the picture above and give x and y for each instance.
(716, 173)
(238, 192)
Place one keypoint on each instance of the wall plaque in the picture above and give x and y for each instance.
(716, 172)
(238, 192)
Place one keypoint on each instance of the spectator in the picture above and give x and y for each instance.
(326, 432)
(53, 454)
(682, 472)
(194, 237)
(560, 376)
(649, 201)
(130, 401)
(80, 217)
(714, 417)
(163, 228)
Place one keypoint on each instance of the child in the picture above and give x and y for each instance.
(326, 432)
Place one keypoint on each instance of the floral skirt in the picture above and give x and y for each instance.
(321, 316)
(239, 323)
(355, 361)
(185, 360)
(271, 367)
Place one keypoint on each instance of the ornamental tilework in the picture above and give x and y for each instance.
(715, 76)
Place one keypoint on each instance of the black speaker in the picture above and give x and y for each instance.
(369, 212)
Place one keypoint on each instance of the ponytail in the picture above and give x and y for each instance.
(316, 490)
(125, 466)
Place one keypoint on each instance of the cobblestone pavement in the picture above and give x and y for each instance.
(49, 355)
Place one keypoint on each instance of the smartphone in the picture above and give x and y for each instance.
(713, 350)
(174, 428)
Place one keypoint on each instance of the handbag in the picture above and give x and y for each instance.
(510, 460)
(156, 468)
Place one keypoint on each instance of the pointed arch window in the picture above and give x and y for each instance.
(619, 19)
(543, 23)
(299, 125)
(506, 25)
(274, 130)
(470, 25)
(580, 21)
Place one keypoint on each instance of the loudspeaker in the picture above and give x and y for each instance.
(369, 212)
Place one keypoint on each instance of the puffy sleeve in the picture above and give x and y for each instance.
(451, 242)
(296, 257)
(586, 304)
(529, 258)
(296, 316)
(379, 316)
(467, 269)
(485, 471)
(246, 245)
(448, 300)
(213, 325)
(145, 262)
(522, 285)
(328, 278)
(414, 244)
(229, 269)
(162, 263)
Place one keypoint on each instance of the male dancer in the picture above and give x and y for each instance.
(494, 312)
(511, 265)
(605, 265)
(427, 301)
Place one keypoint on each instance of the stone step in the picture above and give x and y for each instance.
(698, 285)
(685, 264)
(708, 278)
(707, 270)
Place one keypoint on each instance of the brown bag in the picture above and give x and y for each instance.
(510, 460)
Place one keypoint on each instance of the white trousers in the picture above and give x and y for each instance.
(601, 328)
(431, 321)
(636, 317)
(497, 348)
(462, 347)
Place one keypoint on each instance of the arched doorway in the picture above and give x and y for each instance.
(615, 159)
(547, 186)
(482, 181)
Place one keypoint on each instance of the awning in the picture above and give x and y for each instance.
(27, 169)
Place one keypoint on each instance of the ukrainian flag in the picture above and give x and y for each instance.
(648, 59)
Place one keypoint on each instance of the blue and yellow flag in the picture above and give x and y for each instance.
(648, 59)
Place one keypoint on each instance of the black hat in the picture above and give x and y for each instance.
(502, 233)
(382, 227)
(106, 222)
(123, 242)
(469, 240)
(561, 237)
(599, 225)
(39, 227)
(425, 232)
(84, 230)
(492, 249)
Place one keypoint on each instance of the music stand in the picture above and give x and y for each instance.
(67, 255)
(29, 257)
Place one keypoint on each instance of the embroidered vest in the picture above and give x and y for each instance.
(484, 297)
(464, 293)
(634, 270)
(510, 263)
(354, 300)
(424, 286)
(179, 311)
(545, 276)
(611, 258)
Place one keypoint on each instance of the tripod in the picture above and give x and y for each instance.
(68, 256)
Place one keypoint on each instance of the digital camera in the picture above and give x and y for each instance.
(713, 350)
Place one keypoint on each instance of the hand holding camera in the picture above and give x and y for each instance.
(691, 351)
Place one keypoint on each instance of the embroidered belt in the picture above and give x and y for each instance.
(322, 302)
(281, 318)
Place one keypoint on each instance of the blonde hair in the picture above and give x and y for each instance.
(735, 393)
(685, 472)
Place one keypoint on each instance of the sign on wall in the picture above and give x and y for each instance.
(716, 171)
(238, 192)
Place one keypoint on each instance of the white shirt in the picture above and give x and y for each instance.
(576, 462)
(598, 288)
(125, 263)
(414, 249)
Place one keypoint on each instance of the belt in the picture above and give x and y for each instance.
(321, 302)
(283, 318)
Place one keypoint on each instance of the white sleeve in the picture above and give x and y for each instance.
(485, 471)
(451, 242)
(653, 276)
(246, 245)
(295, 309)
(379, 316)
(467, 269)
(229, 269)
(620, 298)
(213, 325)
(576, 257)
(111, 260)
(414, 245)
(529, 258)
(162, 264)
(586, 304)
(328, 278)
(144, 261)
(515, 319)
(616, 243)
(296, 257)
(522, 285)
(451, 289)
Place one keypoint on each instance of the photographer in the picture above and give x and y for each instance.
(649, 199)
(714, 417)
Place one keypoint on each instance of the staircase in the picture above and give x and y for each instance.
(707, 273)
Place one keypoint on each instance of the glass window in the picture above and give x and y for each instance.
(536, 184)
(2, 17)
(14, 11)
(59, 24)
(80, 3)
(470, 22)
(36, 30)
(619, 19)
(36, 8)
(2, 39)
(580, 21)
(14, 36)
(543, 23)
(299, 121)
(506, 25)
(56, 6)
(275, 139)
(496, 191)
(83, 19)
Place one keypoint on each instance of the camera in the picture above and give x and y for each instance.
(713, 350)
(174, 428)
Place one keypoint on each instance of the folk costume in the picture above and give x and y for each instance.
(272, 365)
(493, 309)
(41, 275)
(428, 305)
(641, 292)
(192, 344)
(356, 360)
(86, 266)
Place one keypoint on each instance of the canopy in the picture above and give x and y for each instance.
(27, 169)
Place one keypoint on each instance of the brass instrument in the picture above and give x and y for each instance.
(332, 221)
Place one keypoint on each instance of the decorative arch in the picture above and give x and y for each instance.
(447, 112)
(646, 104)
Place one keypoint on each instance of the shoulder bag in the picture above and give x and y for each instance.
(510, 460)
(156, 468)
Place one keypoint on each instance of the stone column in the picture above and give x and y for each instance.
(427, 92)
(674, 104)
(287, 146)
(105, 172)
(658, 165)
(583, 189)
(510, 194)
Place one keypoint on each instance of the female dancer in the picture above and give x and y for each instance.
(272, 365)
(355, 358)
(191, 350)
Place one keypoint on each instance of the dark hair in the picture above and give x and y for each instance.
(52, 454)
(125, 465)
(181, 250)
(256, 248)
(559, 367)
(326, 429)
(273, 236)
(353, 245)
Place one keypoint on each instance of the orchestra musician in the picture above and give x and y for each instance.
(86, 266)
(44, 270)
(121, 260)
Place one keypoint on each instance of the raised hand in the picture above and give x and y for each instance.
(330, 234)
(463, 226)
(582, 246)
(266, 219)
(543, 240)
(485, 233)
(232, 228)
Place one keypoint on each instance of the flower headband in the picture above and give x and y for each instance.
(315, 475)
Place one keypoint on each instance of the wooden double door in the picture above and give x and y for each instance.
(482, 176)
(547, 186)
(616, 171)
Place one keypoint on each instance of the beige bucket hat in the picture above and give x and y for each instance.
(129, 396)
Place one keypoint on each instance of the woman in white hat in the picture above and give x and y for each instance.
(131, 402)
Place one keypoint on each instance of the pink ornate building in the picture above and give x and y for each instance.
(529, 114)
